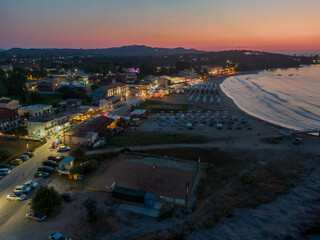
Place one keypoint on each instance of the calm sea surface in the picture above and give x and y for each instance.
(286, 97)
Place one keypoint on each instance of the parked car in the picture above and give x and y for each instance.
(24, 157)
(63, 149)
(30, 154)
(22, 189)
(32, 184)
(16, 161)
(67, 197)
(4, 171)
(16, 196)
(49, 163)
(45, 169)
(6, 166)
(41, 174)
(57, 236)
(297, 141)
(239, 126)
(125, 149)
(219, 126)
(32, 216)
(55, 158)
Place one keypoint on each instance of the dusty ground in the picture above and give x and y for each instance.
(165, 181)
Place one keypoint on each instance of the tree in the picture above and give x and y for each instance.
(45, 200)
(4, 154)
(91, 207)
(55, 102)
(121, 122)
(181, 65)
(94, 86)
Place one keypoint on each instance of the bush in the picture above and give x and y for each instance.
(45, 200)
(84, 167)
(4, 154)
(92, 211)
(78, 153)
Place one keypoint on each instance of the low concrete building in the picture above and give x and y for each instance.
(90, 132)
(9, 119)
(36, 110)
(9, 103)
(70, 103)
(47, 85)
(48, 126)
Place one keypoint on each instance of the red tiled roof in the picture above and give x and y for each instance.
(5, 100)
(97, 124)
(6, 113)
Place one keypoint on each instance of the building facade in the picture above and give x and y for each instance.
(9, 119)
(9, 103)
(47, 127)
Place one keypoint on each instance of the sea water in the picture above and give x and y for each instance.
(286, 97)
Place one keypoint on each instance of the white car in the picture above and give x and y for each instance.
(22, 189)
(4, 171)
(63, 149)
(219, 126)
(16, 196)
(30, 215)
(24, 157)
(31, 184)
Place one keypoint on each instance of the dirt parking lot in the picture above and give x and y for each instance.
(166, 181)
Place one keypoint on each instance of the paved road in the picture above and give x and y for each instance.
(13, 212)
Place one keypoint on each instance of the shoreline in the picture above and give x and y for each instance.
(225, 95)
(227, 100)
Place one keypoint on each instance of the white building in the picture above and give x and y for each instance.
(9, 103)
(35, 110)
(49, 126)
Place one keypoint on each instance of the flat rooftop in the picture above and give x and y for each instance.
(35, 107)
(48, 118)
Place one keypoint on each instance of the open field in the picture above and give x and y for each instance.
(147, 138)
(156, 106)
(17, 146)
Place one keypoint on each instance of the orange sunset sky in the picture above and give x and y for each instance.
(282, 25)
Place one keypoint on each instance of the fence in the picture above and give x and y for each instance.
(20, 137)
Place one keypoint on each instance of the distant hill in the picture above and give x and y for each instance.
(133, 50)
(1, 50)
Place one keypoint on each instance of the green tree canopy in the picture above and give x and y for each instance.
(45, 200)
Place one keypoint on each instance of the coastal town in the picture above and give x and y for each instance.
(138, 149)
(159, 120)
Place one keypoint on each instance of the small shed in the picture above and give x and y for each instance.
(66, 163)
(149, 200)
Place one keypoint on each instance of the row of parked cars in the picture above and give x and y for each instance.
(5, 169)
(20, 192)
(48, 167)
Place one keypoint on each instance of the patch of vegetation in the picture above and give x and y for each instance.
(274, 140)
(149, 138)
(85, 164)
(45, 200)
(4, 154)
(156, 106)
(17, 146)
(20, 131)
(92, 210)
